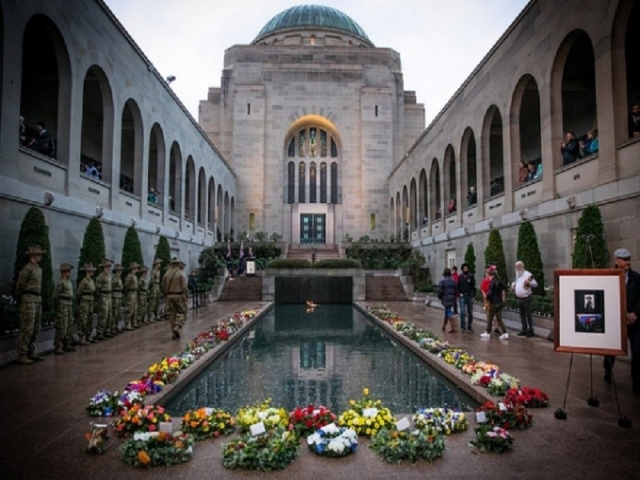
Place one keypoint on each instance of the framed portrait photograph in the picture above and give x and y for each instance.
(589, 313)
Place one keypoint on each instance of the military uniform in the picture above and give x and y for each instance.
(154, 289)
(63, 304)
(28, 294)
(174, 288)
(85, 295)
(142, 296)
(103, 291)
(116, 301)
(131, 298)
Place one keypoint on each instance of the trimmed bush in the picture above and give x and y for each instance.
(470, 258)
(163, 252)
(131, 250)
(494, 254)
(388, 257)
(93, 248)
(289, 263)
(337, 263)
(209, 262)
(590, 223)
(34, 231)
(529, 253)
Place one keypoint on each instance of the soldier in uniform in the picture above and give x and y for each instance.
(63, 304)
(142, 296)
(174, 288)
(103, 291)
(28, 295)
(131, 298)
(154, 288)
(85, 295)
(116, 300)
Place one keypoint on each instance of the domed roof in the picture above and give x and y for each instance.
(310, 16)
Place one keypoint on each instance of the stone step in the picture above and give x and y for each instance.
(239, 289)
(385, 289)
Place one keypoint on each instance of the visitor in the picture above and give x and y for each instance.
(405, 234)
(484, 289)
(523, 172)
(447, 291)
(569, 149)
(44, 142)
(174, 288)
(592, 144)
(193, 287)
(455, 276)
(632, 310)
(634, 121)
(539, 171)
(438, 213)
(522, 286)
(28, 295)
(23, 132)
(172, 204)
(467, 292)
(495, 187)
(63, 304)
(425, 220)
(531, 175)
(472, 197)
(452, 206)
(151, 197)
(91, 171)
(218, 232)
(496, 296)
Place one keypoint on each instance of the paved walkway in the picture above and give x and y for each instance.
(44, 419)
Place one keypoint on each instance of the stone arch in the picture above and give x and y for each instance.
(492, 153)
(423, 198)
(526, 126)
(211, 204)
(398, 216)
(392, 215)
(202, 198)
(45, 93)
(405, 207)
(227, 214)
(468, 167)
(175, 179)
(156, 162)
(190, 190)
(413, 204)
(450, 180)
(435, 201)
(220, 212)
(96, 144)
(131, 149)
(232, 216)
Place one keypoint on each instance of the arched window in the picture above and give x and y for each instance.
(632, 60)
(334, 182)
(422, 199)
(202, 195)
(155, 176)
(131, 149)
(451, 192)
(190, 190)
(434, 184)
(301, 183)
(527, 131)
(292, 148)
(493, 150)
(211, 197)
(175, 179)
(323, 182)
(468, 177)
(312, 183)
(291, 182)
(413, 203)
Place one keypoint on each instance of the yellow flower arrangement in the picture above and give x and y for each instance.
(263, 412)
(367, 416)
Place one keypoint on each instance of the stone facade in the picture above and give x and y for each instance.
(107, 107)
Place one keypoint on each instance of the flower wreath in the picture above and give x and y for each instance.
(444, 420)
(151, 449)
(507, 416)
(499, 385)
(332, 441)
(395, 446)
(273, 450)
(141, 418)
(306, 420)
(205, 422)
(265, 413)
(492, 439)
(529, 397)
(103, 404)
(367, 416)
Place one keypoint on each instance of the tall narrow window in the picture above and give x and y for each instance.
(248, 109)
(323, 143)
(312, 142)
(372, 221)
(323, 182)
(292, 148)
(334, 182)
(334, 149)
(376, 110)
(291, 178)
(252, 221)
(301, 185)
(301, 141)
(312, 182)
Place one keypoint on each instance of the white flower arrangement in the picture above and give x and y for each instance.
(333, 441)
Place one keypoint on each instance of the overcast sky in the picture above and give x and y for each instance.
(440, 41)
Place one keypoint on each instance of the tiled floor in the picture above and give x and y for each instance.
(44, 419)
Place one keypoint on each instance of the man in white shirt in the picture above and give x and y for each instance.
(522, 286)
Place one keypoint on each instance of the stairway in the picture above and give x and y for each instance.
(305, 252)
(241, 289)
(384, 289)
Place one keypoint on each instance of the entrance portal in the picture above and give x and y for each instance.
(312, 228)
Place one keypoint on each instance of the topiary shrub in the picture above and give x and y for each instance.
(590, 232)
(470, 258)
(289, 263)
(163, 252)
(131, 250)
(261, 237)
(209, 262)
(34, 231)
(529, 253)
(494, 254)
(337, 263)
(93, 248)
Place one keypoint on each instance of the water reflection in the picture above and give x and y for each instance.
(323, 357)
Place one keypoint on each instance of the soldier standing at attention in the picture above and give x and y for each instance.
(131, 292)
(85, 294)
(174, 288)
(103, 290)
(116, 300)
(142, 296)
(28, 294)
(62, 302)
(154, 297)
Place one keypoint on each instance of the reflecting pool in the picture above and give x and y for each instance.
(326, 356)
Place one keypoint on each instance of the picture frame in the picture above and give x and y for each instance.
(590, 311)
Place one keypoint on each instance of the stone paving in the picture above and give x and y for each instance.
(44, 418)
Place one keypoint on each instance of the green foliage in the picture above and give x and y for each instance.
(272, 451)
(209, 263)
(383, 257)
(411, 445)
(337, 263)
(261, 237)
(263, 253)
(590, 223)
(494, 254)
(289, 263)
(163, 252)
(93, 248)
(131, 250)
(347, 238)
(470, 258)
(34, 231)
(276, 237)
(529, 253)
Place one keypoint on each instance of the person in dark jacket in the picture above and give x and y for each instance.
(44, 142)
(632, 282)
(569, 149)
(447, 291)
(467, 292)
(496, 297)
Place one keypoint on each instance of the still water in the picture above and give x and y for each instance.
(324, 357)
